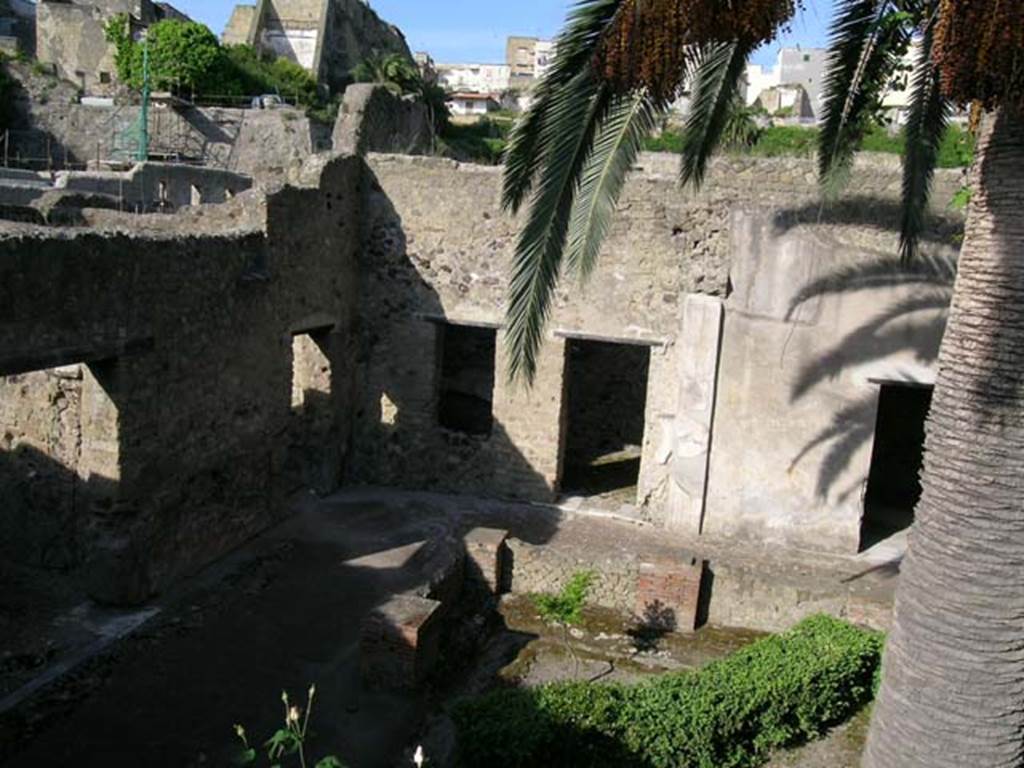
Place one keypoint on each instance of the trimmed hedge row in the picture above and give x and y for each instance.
(778, 691)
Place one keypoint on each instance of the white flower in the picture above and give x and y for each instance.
(418, 758)
(293, 715)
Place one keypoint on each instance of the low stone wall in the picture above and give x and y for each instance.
(158, 186)
(752, 594)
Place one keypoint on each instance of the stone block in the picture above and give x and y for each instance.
(399, 643)
(668, 593)
(488, 559)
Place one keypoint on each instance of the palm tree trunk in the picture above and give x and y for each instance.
(953, 677)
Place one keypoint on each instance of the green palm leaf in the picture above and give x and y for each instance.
(868, 38)
(927, 120)
(572, 120)
(719, 68)
(617, 143)
(574, 53)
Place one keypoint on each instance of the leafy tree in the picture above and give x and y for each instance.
(182, 55)
(953, 679)
(243, 71)
(390, 69)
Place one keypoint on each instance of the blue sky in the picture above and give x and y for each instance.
(475, 30)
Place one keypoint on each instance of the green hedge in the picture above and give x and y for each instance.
(778, 691)
(955, 151)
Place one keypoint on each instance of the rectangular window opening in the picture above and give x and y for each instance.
(311, 372)
(606, 388)
(894, 480)
(466, 396)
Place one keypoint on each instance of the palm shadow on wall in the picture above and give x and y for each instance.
(910, 325)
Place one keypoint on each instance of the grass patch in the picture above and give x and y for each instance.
(774, 693)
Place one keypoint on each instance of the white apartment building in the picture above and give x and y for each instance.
(793, 66)
(474, 78)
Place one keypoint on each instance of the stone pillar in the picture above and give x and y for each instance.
(488, 559)
(687, 436)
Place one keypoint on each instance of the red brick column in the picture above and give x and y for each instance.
(668, 593)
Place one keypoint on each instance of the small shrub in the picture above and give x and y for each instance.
(481, 142)
(566, 607)
(730, 714)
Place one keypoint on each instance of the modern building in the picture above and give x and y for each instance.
(543, 57)
(327, 37)
(472, 104)
(793, 66)
(474, 78)
(528, 59)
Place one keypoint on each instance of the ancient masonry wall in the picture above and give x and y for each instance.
(439, 249)
(71, 37)
(220, 342)
(228, 355)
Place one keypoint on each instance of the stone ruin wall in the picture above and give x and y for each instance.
(439, 248)
(187, 324)
(168, 422)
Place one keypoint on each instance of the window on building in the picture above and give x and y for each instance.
(807, 57)
(105, 78)
(466, 396)
(311, 371)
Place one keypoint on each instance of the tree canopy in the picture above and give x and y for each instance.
(187, 57)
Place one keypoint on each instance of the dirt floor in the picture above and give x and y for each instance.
(164, 685)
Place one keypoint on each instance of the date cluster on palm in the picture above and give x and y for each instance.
(650, 42)
(979, 49)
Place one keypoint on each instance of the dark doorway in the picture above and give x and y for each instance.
(466, 397)
(894, 482)
(606, 386)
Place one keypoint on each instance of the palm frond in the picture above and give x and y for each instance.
(616, 145)
(575, 49)
(867, 39)
(928, 117)
(718, 70)
(572, 120)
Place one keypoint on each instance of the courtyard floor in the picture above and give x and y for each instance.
(164, 685)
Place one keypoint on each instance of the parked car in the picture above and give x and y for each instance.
(267, 101)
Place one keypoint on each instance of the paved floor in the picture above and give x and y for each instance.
(280, 614)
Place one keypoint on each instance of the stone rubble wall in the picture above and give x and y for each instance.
(373, 119)
(237, 353)
(438, 248)
(201, 421)
(49, 122)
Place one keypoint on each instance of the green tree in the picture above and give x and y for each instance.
(182, 55)
(390, 69)
(953, 682)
